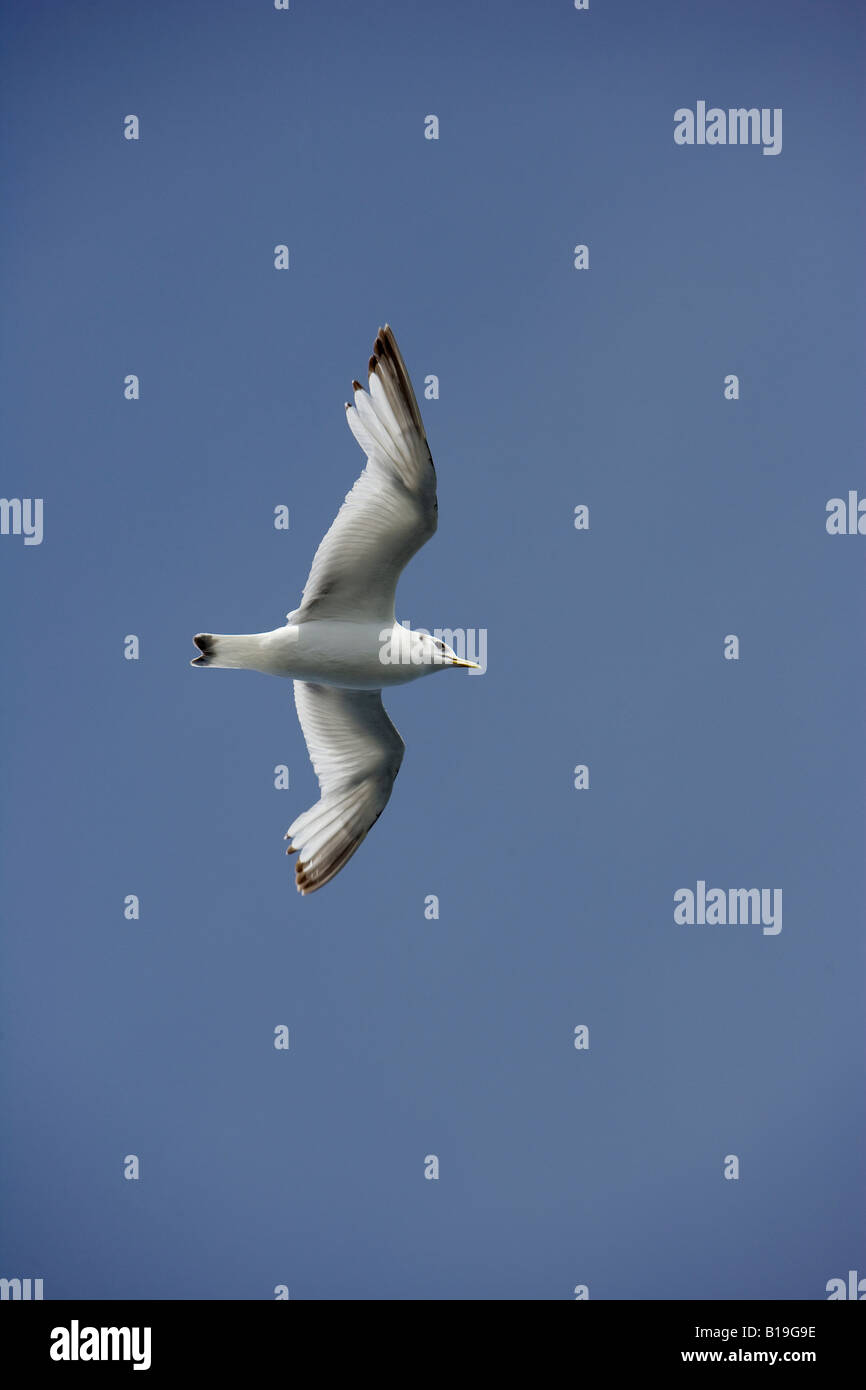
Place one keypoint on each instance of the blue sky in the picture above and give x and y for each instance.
(558, 387)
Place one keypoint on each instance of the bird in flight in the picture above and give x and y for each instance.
(343, 644)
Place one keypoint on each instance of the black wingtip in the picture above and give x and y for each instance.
(206, 643)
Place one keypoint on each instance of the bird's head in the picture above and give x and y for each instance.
(423, 651)
(435, 653)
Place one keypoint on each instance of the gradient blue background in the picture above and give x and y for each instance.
(454, 1037)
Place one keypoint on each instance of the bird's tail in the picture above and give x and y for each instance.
(217, 649)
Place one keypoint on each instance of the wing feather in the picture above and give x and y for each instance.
(389, 513)
(356, 753)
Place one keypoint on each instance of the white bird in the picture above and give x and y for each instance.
(342, 645)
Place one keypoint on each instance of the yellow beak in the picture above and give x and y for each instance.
(470, 665)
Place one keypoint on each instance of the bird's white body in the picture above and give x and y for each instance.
(342, 645)
(354, 656)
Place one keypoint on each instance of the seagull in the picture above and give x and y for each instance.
(342, 645)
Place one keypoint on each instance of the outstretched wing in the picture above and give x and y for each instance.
(356, 753)
(391, 510)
